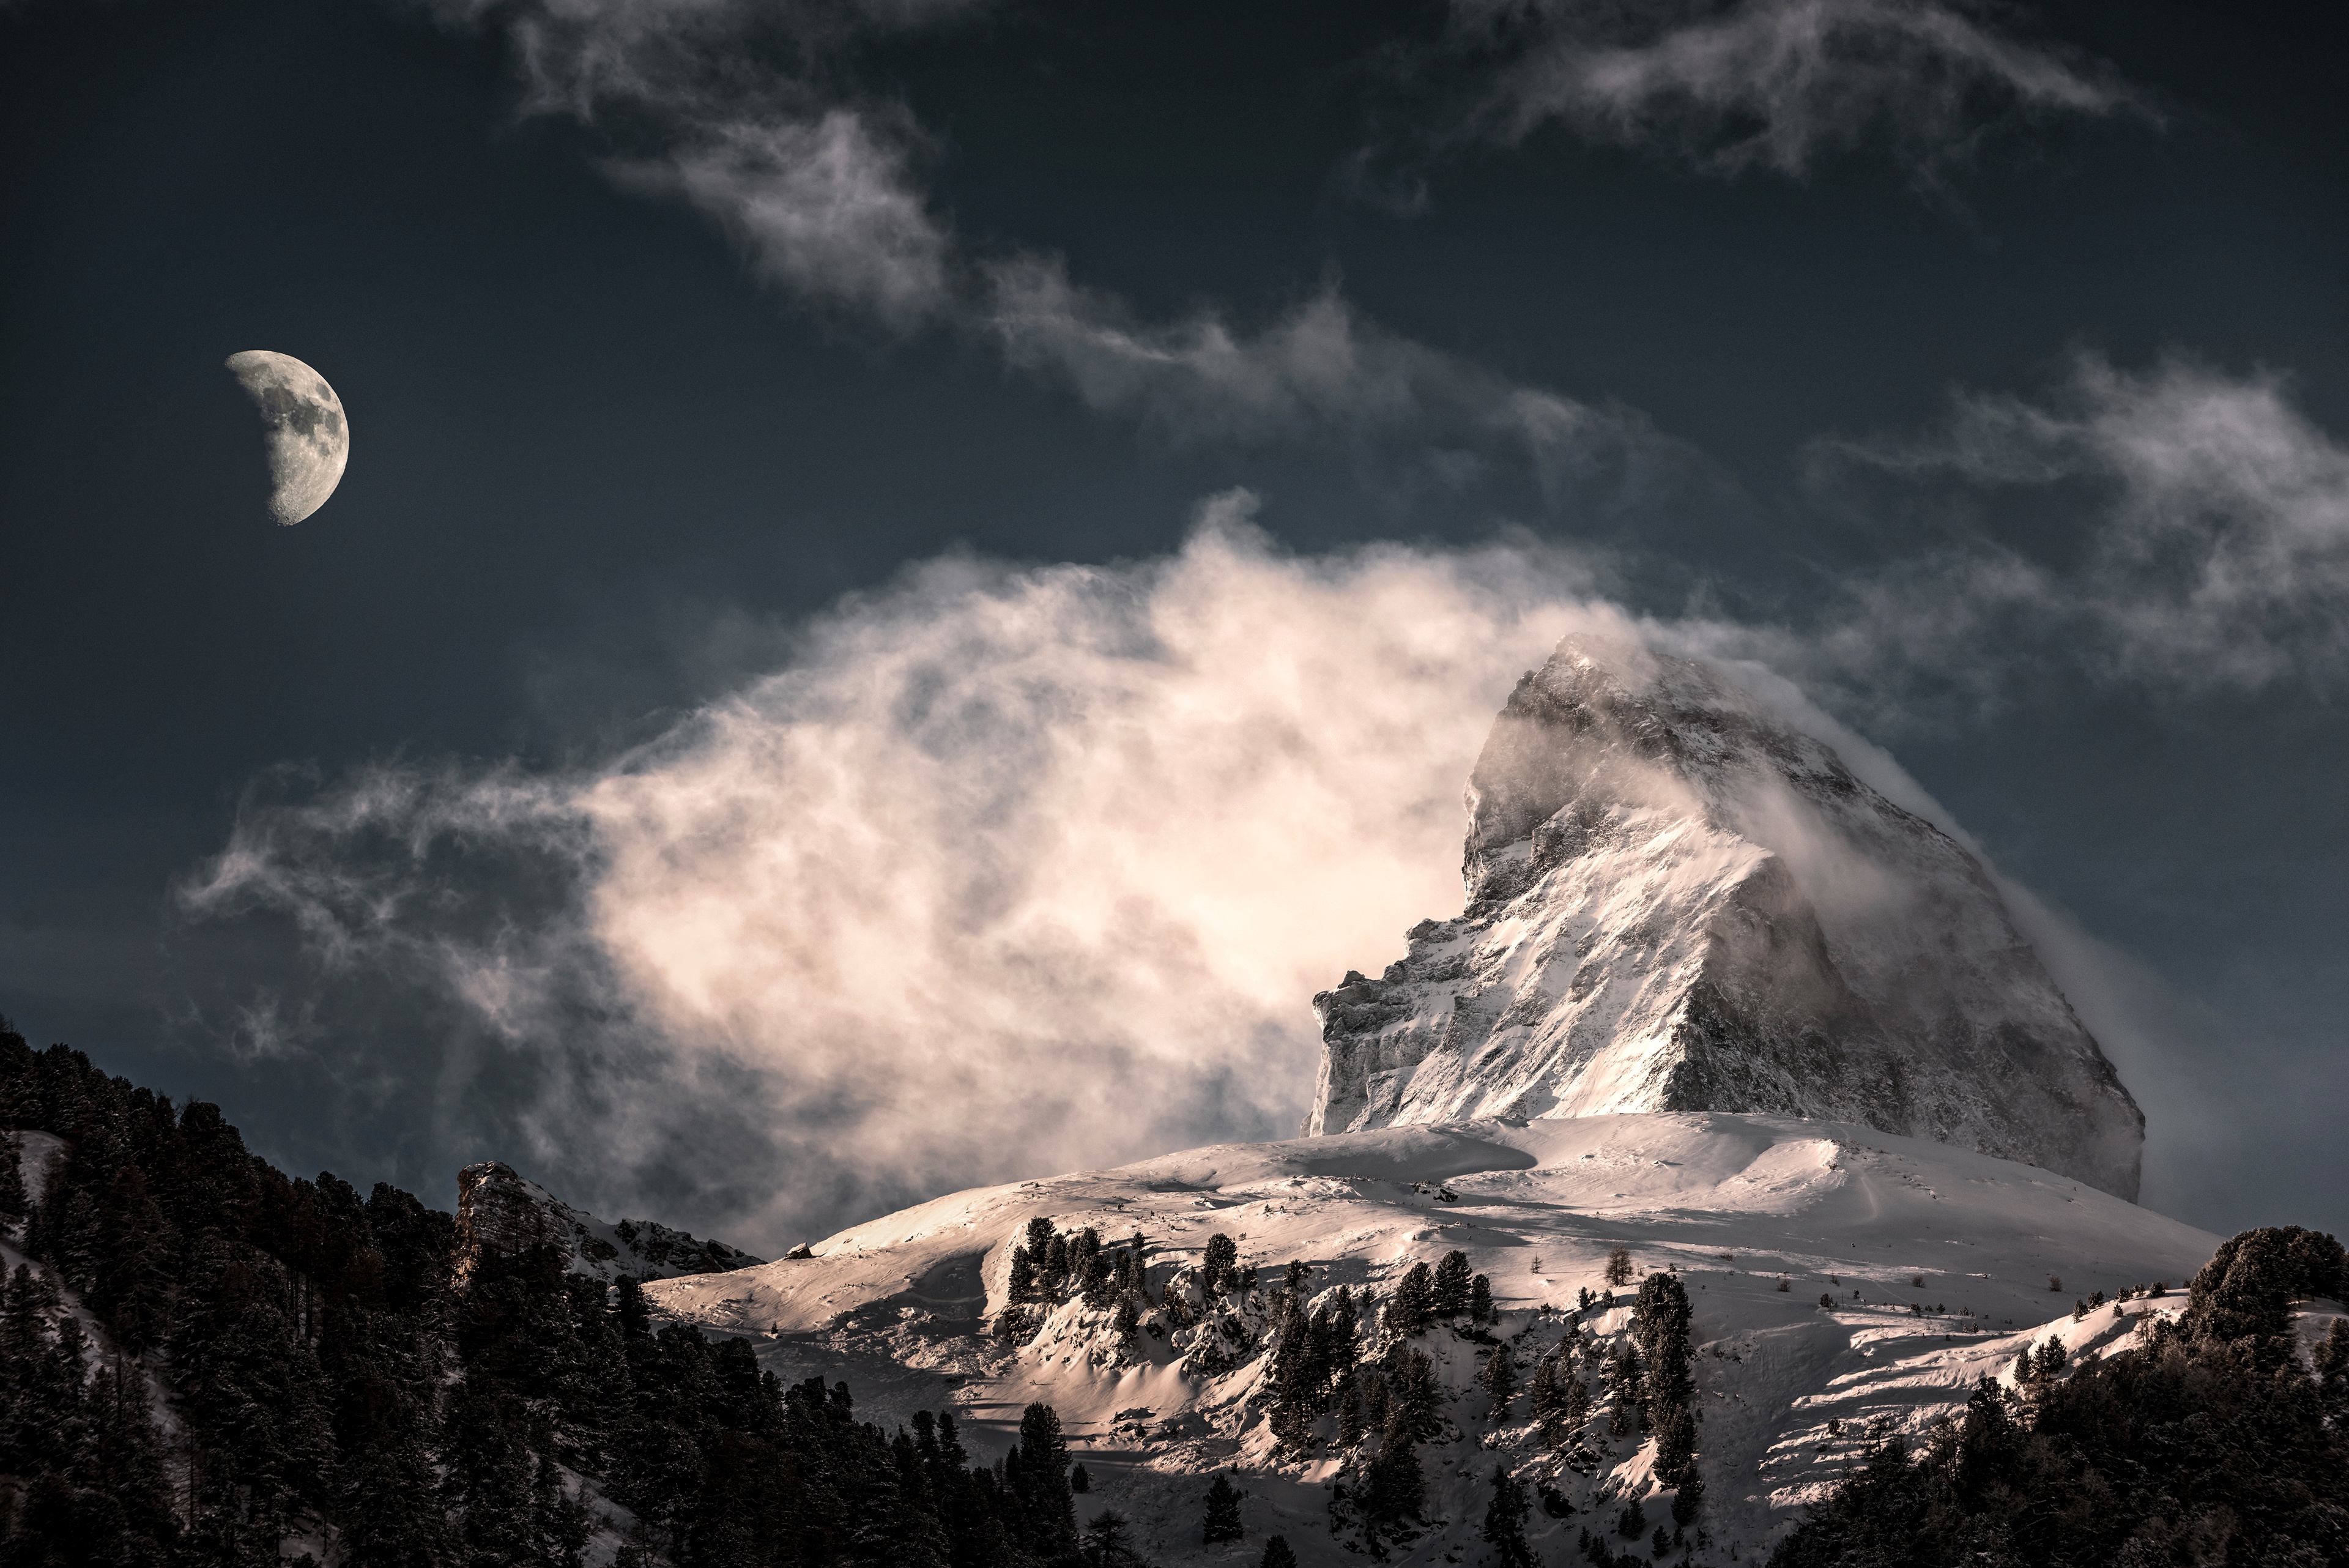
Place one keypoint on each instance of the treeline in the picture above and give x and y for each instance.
(2208, 1441)
(288, 1364)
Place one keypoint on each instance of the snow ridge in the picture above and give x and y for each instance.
(1678, 901)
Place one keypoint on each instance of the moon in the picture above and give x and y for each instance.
(309, 439)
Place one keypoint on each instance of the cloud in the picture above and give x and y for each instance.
(750, 115)
(1004, 871)
(2200, 533)
(1773, 84)
(823, 207)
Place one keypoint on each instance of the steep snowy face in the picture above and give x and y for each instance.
(1677, 901)
(501, 1214)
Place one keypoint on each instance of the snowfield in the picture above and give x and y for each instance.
(1936, 1263)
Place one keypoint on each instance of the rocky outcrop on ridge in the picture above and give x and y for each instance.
(500, 1212)
(1677, 901)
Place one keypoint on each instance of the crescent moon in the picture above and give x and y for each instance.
(309, 439)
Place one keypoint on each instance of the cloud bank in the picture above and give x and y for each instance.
(1006, 871)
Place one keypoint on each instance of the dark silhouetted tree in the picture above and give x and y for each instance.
(1222, 1521)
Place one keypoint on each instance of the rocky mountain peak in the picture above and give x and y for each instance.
(1678, 900)
(501, 1214)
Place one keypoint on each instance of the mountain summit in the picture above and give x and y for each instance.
(1677, 901)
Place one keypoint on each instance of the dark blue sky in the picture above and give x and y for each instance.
(607, 451)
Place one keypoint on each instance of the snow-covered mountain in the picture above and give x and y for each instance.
(1679, 901)
(1937, 1265)
(1713, 1003)
(499, 1210)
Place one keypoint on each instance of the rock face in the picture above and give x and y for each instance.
(1679, 902)
(501, 1213)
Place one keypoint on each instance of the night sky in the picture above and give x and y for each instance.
(1989, 380)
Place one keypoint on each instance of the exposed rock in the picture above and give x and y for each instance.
(501, 1214)
(1678, 901)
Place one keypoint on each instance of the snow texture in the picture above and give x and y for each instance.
(1937, 1261)
(499, 1212)
(1677, 900)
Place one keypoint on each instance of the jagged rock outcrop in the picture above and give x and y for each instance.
(1679, 901)
(501, 1214)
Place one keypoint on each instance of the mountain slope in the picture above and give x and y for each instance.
(1679, 901)
(1730, 1203)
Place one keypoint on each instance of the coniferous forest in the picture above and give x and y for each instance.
(2210, 1440)
(246, 1359)
(277, 1358)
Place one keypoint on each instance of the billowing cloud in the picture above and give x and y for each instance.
(1774, 84)
(1005, 871)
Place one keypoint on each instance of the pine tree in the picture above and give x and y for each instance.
(1577, 1404)
(1675, 1445)
(1079, 1481)
(1023, 1275)
(1276, 1553)
(1351, 1428)
(1618, 1266)
(1625, 1394)
(1498, 1378)
(1688, 1500)
(1452, 1284)
(1505, 1521)
(1480, 1300)
(1223, 1512)
(1412, 1393)
(1345, 1330)
(1050, 1512)
(1412, 1308)
(563, 1524)
(1396, 1487)
(1220, 1272)
(1090, 1266)
(1109, 1542)
(1661, 1316)
(1548, 1401)
(13, 1202)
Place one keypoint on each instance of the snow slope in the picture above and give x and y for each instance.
(1679, 901)
(1734, 1202)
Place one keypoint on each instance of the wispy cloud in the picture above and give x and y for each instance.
(1775, 84)
(751, 115)
(2201, 536)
